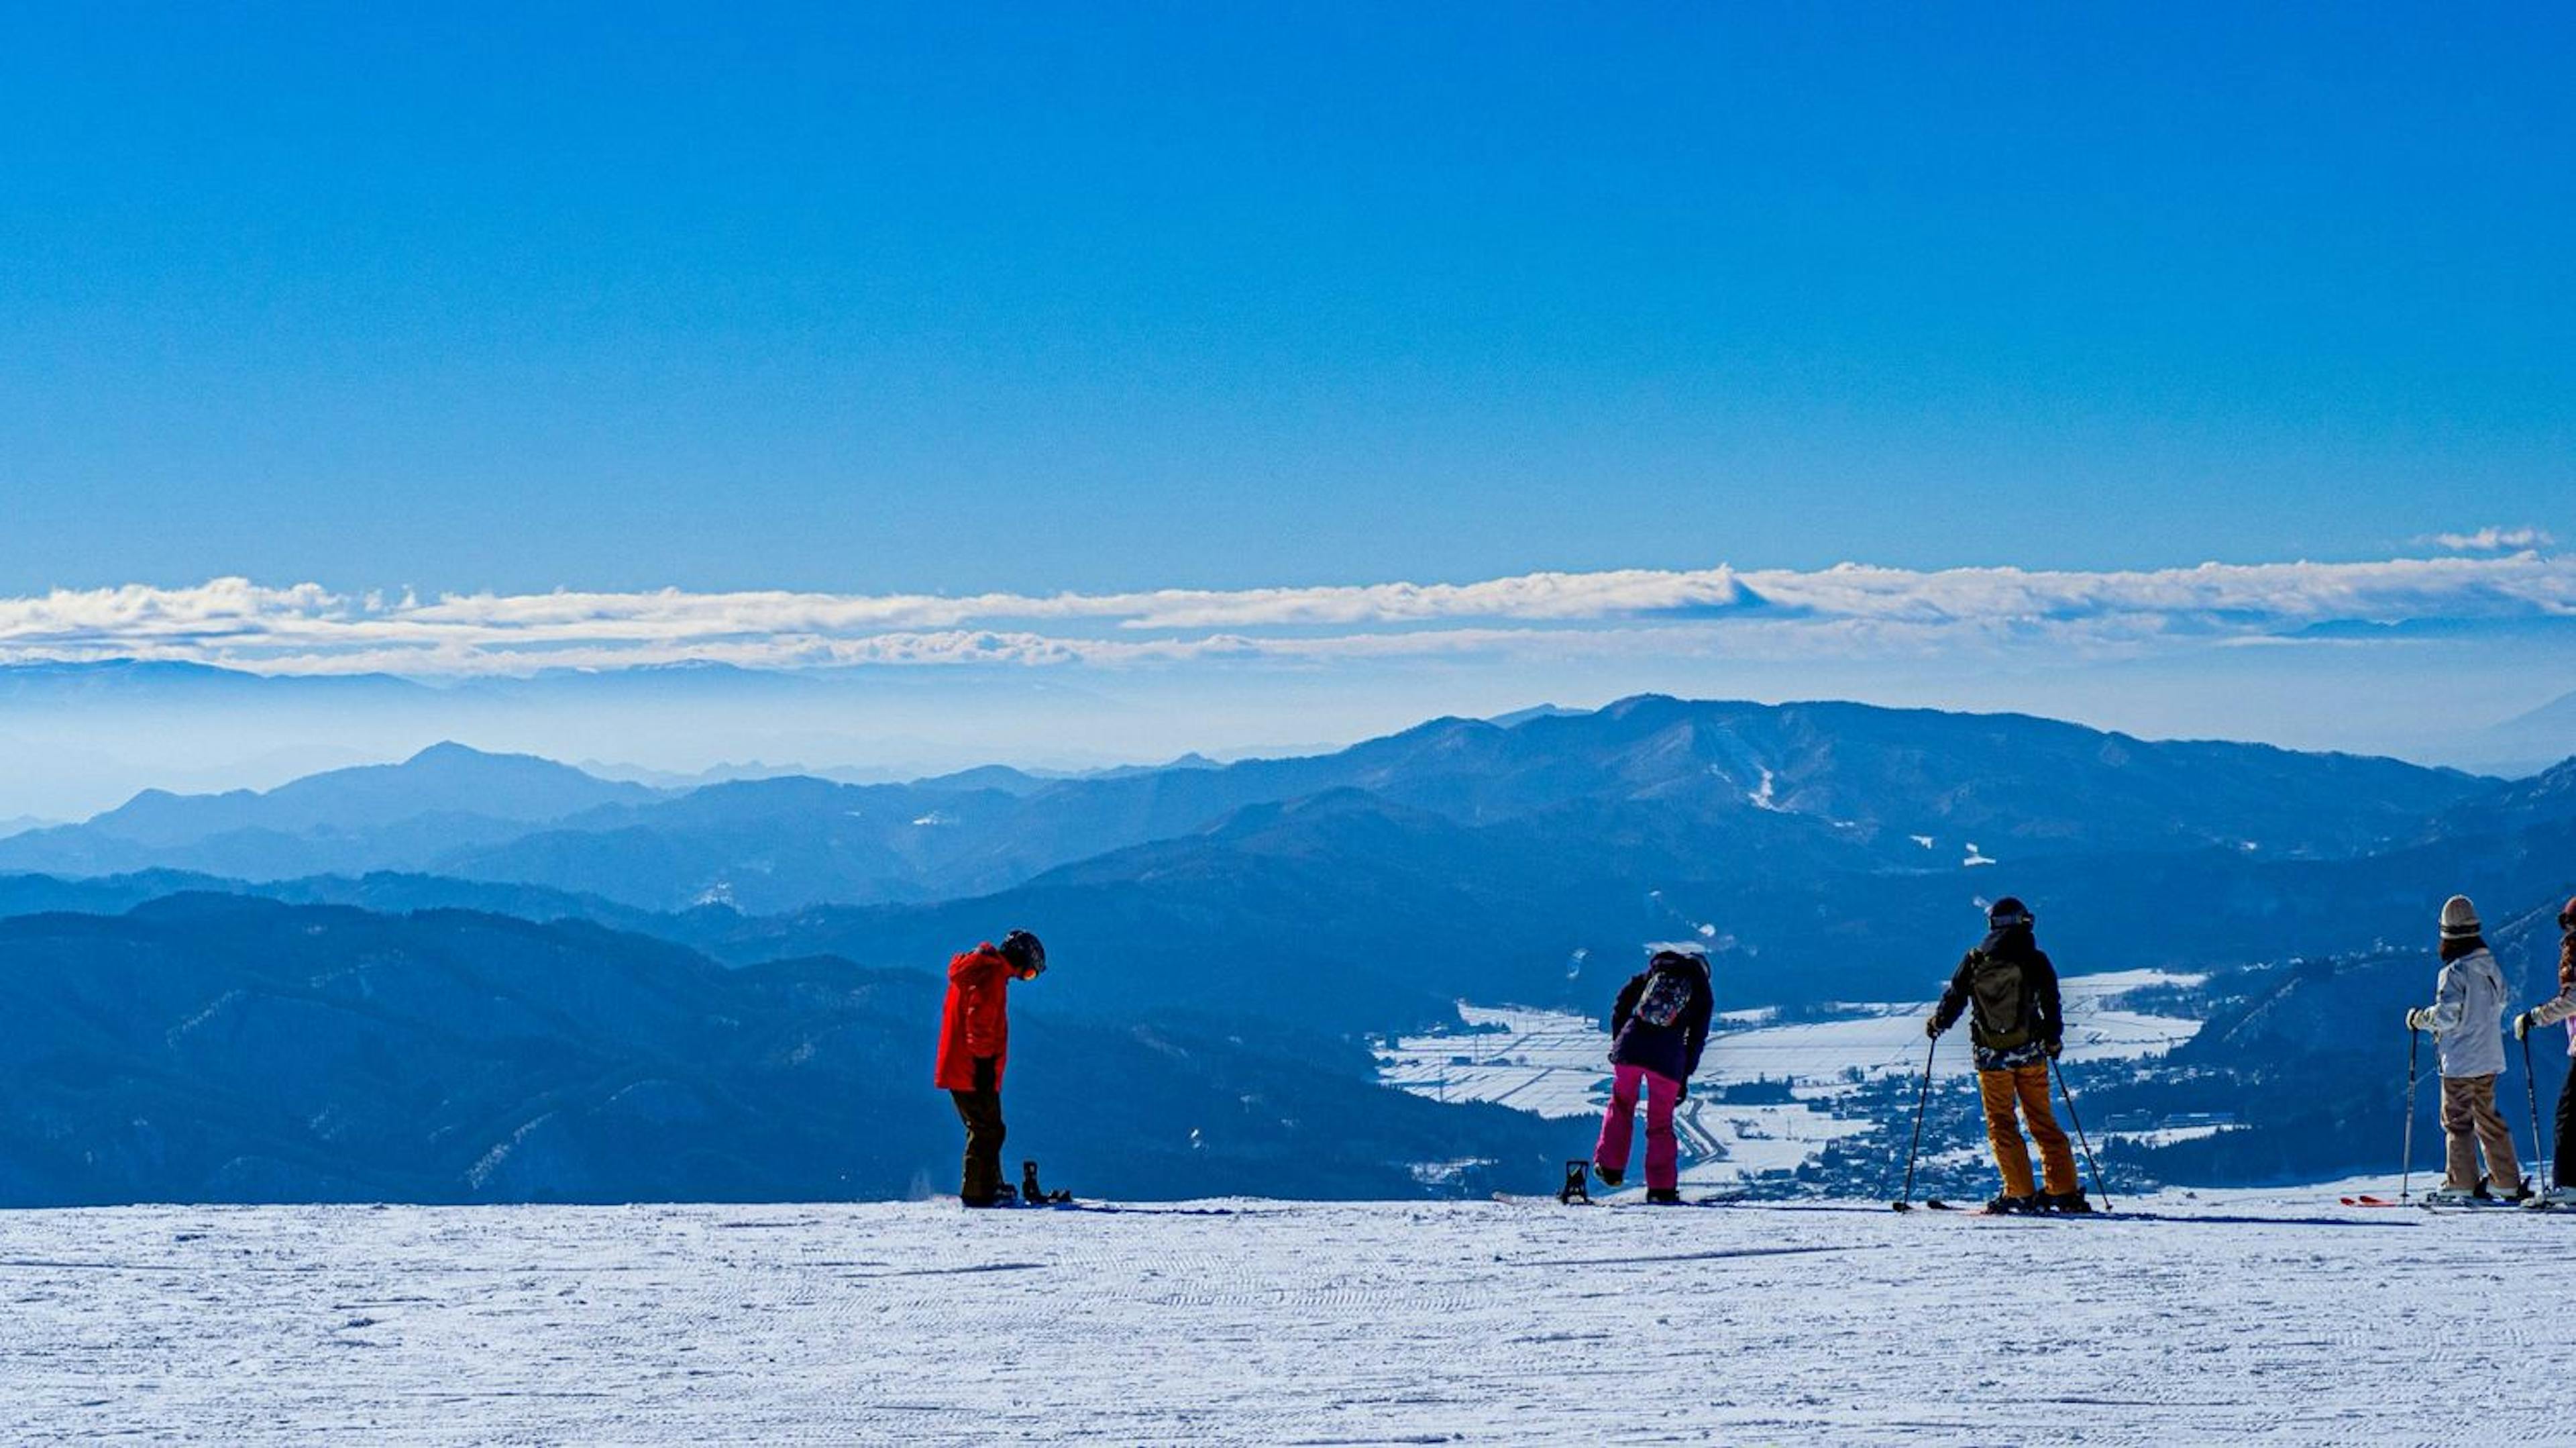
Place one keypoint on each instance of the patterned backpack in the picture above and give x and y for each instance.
(1668, 994)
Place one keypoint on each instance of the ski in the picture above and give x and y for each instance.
(2366, 1200)
(2209, 1219)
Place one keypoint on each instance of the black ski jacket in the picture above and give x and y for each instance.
(2039, 999)
(1672, 1051)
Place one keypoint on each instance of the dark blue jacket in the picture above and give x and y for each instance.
(1673, 1050)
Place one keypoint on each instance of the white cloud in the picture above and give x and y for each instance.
(2492, 539)
(1847, 611)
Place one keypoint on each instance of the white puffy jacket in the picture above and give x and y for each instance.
(2467, 1018)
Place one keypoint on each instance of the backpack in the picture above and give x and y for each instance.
(1667, 996)
(1995, 989)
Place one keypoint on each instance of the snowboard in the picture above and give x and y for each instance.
(1527, 1199)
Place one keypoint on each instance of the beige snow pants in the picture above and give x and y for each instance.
(2470, 1121)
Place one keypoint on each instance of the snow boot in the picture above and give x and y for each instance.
(2458, 1196)
(2011, 1206)
(1663, 1196)
(2514, 1195)
(2556, 1199)
(2072, 1203)
(1611, 1176)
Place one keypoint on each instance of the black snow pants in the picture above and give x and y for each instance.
(981, 1110)
(2562, 1170)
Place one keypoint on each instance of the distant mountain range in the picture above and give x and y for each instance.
(1842, 786)
(206, 1048)
(1272, 912)
(436, 803)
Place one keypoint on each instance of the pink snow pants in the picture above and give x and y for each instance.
(1618, 1124)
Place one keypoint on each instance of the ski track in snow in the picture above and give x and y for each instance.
(1277, 1323)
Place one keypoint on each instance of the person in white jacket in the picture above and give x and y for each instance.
(2467, 1022)
(2560, 1007)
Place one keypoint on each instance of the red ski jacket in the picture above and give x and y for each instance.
(977, 1020)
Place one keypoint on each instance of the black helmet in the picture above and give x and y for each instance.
(2008, 912)
(1025, 954)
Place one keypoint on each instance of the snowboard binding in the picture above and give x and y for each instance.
(1034, 1195)
(1577, 1191)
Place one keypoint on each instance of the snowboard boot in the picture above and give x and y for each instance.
(1663, 1196)
(2072, 1203)
(1611, 1176)
(2011, 1206)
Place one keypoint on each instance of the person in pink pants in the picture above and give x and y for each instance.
(1657, 1031)
(1619, 1129)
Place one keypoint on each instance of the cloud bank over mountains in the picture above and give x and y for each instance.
(1848, 612)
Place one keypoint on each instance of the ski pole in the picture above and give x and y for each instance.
(2077, 1122)
(2406, 1158)
(1921, 1096)
(2531, 1096)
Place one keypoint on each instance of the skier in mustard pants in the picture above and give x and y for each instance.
(2017, 1027)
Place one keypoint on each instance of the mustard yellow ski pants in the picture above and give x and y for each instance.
(2026, 1086)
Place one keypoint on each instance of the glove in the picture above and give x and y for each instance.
(2522, 1026)
(2055, 1049)
(1932, 1027)
(2415, 1018)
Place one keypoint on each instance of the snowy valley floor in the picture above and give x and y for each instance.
(1265, 1322)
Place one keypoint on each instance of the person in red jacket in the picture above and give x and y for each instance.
(975, 1044)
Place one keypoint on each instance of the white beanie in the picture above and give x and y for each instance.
(2459, 918)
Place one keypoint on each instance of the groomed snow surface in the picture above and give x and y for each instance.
(2296, 1321)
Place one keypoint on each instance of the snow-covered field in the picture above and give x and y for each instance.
(1272, 1323)
(1551, 1062)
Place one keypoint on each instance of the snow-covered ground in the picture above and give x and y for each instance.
(1272, 1323)
(1551, 1062)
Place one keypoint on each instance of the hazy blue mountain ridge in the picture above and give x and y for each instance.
(1239, 925)
(370, 817)
(206, 1048)
(1872, 781)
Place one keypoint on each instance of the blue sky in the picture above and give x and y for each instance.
(1032, 299)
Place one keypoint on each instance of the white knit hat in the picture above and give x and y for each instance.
(2459, 918)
